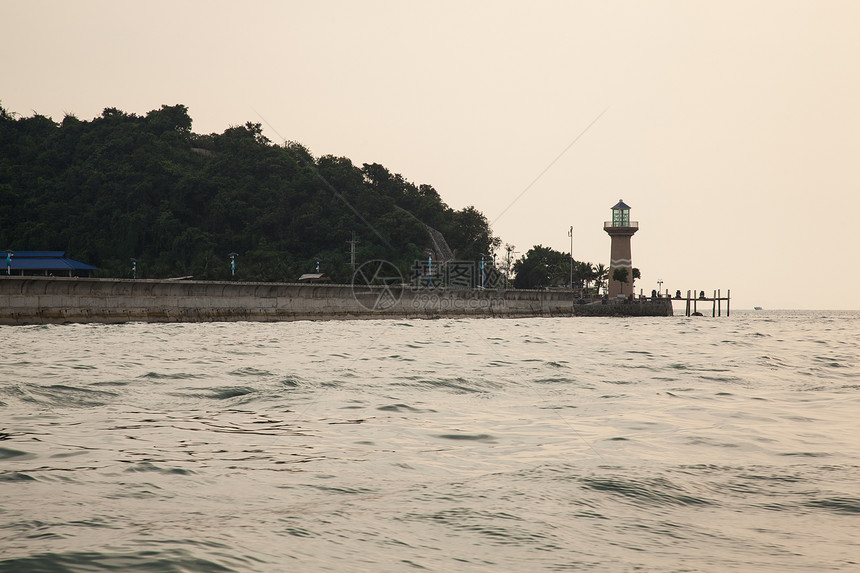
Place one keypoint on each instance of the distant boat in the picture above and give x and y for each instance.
(756, 308)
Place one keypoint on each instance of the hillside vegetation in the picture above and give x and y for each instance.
(124, 186)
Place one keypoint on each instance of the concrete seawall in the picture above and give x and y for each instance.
(54, 300)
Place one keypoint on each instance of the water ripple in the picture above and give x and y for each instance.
(509, 445)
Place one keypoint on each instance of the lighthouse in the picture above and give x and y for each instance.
(620, 229)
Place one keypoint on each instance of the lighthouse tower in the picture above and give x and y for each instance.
(620, 229)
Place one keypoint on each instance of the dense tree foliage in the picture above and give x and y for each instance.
(543, 267)
(124, 186)
(621, 275)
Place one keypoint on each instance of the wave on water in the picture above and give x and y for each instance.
(150, 561)
(677, 444)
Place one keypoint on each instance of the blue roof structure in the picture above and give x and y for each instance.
(41, 261)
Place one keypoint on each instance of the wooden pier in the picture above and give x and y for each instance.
(716, 300)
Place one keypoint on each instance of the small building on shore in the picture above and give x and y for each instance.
(47, 263)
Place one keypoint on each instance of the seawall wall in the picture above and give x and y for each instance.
(56, 300)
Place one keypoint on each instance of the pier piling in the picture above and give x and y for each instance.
(717, 299)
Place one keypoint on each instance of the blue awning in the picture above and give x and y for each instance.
(41, 261)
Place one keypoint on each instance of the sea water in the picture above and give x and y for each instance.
(597, 444)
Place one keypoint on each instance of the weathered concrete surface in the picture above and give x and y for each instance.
(45, 300)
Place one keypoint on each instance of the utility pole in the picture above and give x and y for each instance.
(570, 234)
(352, 243)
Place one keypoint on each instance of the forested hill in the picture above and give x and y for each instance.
(124, 186)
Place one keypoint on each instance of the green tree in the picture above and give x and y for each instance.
(469, 234)
(621, 274)
(543, 266)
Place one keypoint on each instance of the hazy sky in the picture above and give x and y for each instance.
(730, 127)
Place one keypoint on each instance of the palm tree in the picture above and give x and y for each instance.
(601, 273)
(583, 273)
(590, 274)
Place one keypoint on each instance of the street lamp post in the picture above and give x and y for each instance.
(233, 264)
(483, 275)
(429, 267)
